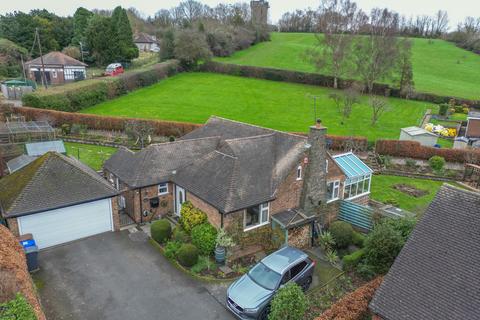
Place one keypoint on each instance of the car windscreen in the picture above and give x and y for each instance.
(264, 276)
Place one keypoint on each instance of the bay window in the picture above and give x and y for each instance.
(256, 216)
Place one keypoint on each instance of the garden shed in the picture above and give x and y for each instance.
(424, 137)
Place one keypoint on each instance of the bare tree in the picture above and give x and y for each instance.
(140, 131)
(440, 23)
(338, 23)
(376, 53)
(190, 10)
(405, 70)
(337, 100)
(350, 98)
(379, 106)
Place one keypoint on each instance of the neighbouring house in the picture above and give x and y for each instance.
(424, 137)
(57, 199)
(242, 176)
(436, 275)
(146, 42)
(59, 68)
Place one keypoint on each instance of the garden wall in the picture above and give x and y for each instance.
(14, 276)
(320, 80)
(413, 149)
(79, 95)
(57, 118)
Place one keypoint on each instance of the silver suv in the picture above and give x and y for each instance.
(249, 297)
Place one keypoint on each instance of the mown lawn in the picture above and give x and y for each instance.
(92, 155)
(438, 66)
(194, 97)
(382, 190)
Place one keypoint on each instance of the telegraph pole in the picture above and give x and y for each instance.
(44, 79)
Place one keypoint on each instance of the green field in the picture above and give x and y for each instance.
(382, 190)
(92, 155)
(194, 97)
(439, 67)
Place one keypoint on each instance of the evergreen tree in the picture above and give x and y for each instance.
(168, 45)
(101, 40)
(127, 50)
(80, 24)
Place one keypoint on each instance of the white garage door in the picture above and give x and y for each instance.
(58, 226)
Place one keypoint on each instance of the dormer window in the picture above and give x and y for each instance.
(299, 173)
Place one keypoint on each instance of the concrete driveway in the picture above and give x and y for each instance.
(122, 276)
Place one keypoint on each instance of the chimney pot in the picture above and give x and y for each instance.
(318, 124)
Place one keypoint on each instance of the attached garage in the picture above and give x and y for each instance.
(67, 224)
(58, 199)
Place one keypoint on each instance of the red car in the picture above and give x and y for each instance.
(114, 69)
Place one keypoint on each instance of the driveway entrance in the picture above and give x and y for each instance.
(118, 275)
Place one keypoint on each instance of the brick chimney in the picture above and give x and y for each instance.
(315, 178)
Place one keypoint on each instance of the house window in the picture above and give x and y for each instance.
(162, 188)
(256, 216)
(333, 190)
(356, 188)
(299, 173)
(121, 202)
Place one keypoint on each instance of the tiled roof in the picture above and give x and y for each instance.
(229, 164)
(143, 38)
(56, 58)
(436, 276)
(51, 181)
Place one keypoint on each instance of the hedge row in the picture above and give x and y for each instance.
(413, 149)
(344, 143)
(353, 306)
(96, 122)
(320, 80)
(77, 96)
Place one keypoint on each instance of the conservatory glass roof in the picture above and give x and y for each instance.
(352, 166)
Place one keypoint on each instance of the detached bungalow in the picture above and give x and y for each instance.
(59, 68)
(240, 175)
(57, 199)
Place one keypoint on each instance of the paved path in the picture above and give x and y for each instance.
(122, 276)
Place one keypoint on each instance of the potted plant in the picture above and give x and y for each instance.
(223, 242)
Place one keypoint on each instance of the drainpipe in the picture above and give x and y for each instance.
(221, 220)
(141, 206)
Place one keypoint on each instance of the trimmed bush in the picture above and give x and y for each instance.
(187, 255)
(161, 230)
(436, 163)
(179, 235)
(289, 303)
(358, 239)
(171, 249)
(191, 217)
(443, 109)
(204, 237)
(350, 261)
(342, 232)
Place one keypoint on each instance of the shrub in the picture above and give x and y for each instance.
(436, 163)
(403, 225)
(161, 230)
(382, 246)
(191, 216)
(204, 263)
(443, 109)
(204, 237)
(411, 163)
(171, 249)
(180, 235)
(326, 240)
(342, 232)
(17, 308)
(358, 239)
(224, 240)
(187, 255)
(350, 261)
(289, 303)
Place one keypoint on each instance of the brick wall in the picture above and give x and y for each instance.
(115, 215)
(165, 202)
(363, 200)
(13, 226)
(213, 214)
(289, 191)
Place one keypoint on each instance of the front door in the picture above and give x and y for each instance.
(179, 199)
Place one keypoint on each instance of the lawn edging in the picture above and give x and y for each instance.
(317, 79)
(177, 265)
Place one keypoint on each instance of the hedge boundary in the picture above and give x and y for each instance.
(80, 95)
(317, 79)
(96, 122)
(413, 149)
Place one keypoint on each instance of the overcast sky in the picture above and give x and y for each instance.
(457, 9)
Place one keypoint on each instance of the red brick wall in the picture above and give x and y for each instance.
(115, 215)
(289, 191)
(213, 214)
